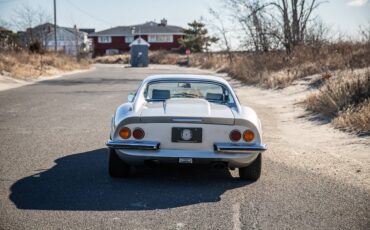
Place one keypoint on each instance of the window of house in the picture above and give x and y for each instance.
(104, 39)
(129, 39)
(158, 38)
(111, 51)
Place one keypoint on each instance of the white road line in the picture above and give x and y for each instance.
(236, 216)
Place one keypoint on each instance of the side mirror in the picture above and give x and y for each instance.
(131, 97)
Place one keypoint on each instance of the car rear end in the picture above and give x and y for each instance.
(192, 141)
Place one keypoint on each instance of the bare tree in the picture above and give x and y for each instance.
(255, 21)
(219, 25)
(365, 32)
(295, 16)
(271, 24)
(28, 17)
(316, 34)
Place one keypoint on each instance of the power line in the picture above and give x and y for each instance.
(88, 14)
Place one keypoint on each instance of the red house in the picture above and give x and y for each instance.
(118, 39)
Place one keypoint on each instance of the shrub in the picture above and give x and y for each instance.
(355, 119)
(346, 89)
(36, 47)
(113, 59)
(164, 57)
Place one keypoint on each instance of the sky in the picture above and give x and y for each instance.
(342, 16)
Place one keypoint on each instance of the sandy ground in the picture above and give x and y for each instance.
(7, 82)
(296, 137)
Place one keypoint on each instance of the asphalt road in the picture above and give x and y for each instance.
(53, 171)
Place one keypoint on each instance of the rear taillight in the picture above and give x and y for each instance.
(235, 135)
(248, 136)
(138, 133)
(125, 133)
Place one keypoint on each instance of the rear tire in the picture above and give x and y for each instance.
(252, 171)
(117, 167)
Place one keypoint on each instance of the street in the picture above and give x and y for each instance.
(53, 170)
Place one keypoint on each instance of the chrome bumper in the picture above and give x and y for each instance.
(137, 152)
(239, 148)
(140, 145)
(218, 147)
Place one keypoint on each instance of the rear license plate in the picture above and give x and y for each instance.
(185, 160)
(187, 135)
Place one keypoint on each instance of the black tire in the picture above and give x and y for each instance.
(117, 167)
(252, 171)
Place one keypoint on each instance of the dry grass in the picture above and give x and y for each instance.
(24, 65)
(113, 59)
(165, 57)
(279, 70)
(345, 98)
(155, 57)
(355, 119)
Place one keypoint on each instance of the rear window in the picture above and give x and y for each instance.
(213, 92)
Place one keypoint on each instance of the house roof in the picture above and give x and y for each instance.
(146, 28)
(49, 27)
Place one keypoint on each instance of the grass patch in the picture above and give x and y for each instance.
(345, 100)
(355, 119)
(113, 59)
(24, 65)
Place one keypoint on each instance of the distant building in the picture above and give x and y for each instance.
(87, 30)
(68, 39)
(118, 39)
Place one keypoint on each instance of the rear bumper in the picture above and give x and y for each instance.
(239, 148)
(137, 152)
(139, 145)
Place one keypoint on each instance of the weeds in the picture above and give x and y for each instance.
(345, 99)
(24, 65)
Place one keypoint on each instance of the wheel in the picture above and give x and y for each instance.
(252, 171)
(117, 167)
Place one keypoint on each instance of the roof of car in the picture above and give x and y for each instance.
(185, 77)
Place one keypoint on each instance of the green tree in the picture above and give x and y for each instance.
(196, 37)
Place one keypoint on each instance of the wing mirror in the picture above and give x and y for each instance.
(131, 97)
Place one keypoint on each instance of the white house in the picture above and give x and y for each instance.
(68, 39)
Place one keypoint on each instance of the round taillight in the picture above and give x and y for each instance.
(235, 135)
(248, 136)
(138, 133)
(125, 133)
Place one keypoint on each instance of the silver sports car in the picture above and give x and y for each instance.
(186, 119)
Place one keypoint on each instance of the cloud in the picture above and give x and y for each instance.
(357, 2)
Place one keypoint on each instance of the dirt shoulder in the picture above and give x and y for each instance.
(298, 139)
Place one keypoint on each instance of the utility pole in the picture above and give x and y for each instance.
(55, 26)
(77, 45)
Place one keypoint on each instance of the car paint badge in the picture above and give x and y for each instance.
(186, 134)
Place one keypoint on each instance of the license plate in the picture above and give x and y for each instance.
(187, 135)
(185, 160)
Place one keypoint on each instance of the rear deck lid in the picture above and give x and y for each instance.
(188, 108)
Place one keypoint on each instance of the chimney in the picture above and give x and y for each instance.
(163, 22)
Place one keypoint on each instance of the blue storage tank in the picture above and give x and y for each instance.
(139, 51)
